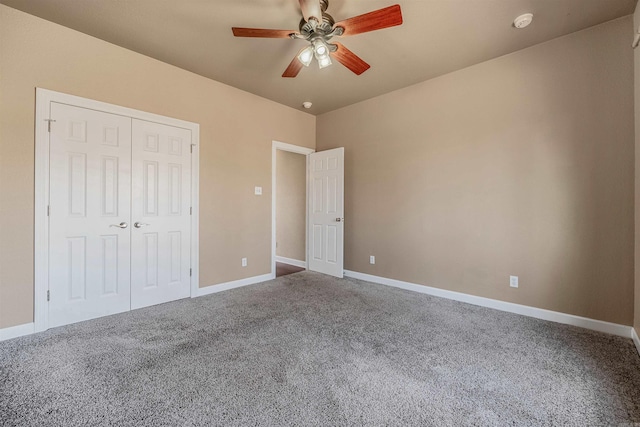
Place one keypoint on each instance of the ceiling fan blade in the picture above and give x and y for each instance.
(350, 59)
(376, 20)
(293, 69)
(261, 32)
(311, 8)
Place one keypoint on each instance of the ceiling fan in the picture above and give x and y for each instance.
(318, 27)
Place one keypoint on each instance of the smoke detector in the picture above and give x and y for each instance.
(523, 20)
(307, 104)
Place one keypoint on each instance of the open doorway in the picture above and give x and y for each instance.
(289, 208)
(291, 194)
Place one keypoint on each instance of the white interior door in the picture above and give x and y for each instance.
(326, 212)
(161, 236)
(90, 193)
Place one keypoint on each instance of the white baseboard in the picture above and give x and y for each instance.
(17, 331)
(291, 261)
(235, 284)
(636, 339)
(539, 313)
(29, 328)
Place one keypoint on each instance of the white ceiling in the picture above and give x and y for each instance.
(437, 37)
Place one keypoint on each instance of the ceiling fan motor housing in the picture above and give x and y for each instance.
(313, 29)
(312, 26)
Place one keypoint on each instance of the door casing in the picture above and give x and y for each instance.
(44, 97)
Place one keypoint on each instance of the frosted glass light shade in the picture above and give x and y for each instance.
(324, 61)
(320, 47)
(306, 55)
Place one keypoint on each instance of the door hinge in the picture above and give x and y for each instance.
(48, 296)
(190, 272)
(48, 210)
(49, 124)
(191, 210)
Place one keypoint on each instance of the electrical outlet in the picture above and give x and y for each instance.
(372, 259)
(513, 281)
(258, 191)
(244, 262)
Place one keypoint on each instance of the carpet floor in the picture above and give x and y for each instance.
(307, 349)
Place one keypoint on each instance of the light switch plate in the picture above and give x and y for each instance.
(258, 191)
(513, 281)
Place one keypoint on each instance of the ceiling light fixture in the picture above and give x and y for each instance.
(318, 48)
(523, 20)
(306, 55)
(324, 61)
(307, 104)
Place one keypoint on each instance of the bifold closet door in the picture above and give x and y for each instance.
(161, 202)
(89, 220)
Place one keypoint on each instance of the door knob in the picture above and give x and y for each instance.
(339, 219)
(121, 225)
(140, 224)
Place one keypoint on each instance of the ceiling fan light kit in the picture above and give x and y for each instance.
(323, 62)
(318, 27)
(306, 55)
(320, 47)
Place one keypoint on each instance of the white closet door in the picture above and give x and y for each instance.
(326, 212)
(89, 253)
(161, 241)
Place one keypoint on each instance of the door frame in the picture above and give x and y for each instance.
(44, 97)
(283, 146)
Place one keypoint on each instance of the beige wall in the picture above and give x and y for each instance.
(236, 130)
(636, 56)
(523, 165)
(291, 195)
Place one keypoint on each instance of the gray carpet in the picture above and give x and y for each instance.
(306, 349)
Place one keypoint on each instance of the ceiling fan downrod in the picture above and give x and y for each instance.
(312, 29)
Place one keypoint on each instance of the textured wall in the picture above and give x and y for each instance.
(291, 195)
(522, 165)
(236, 131)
